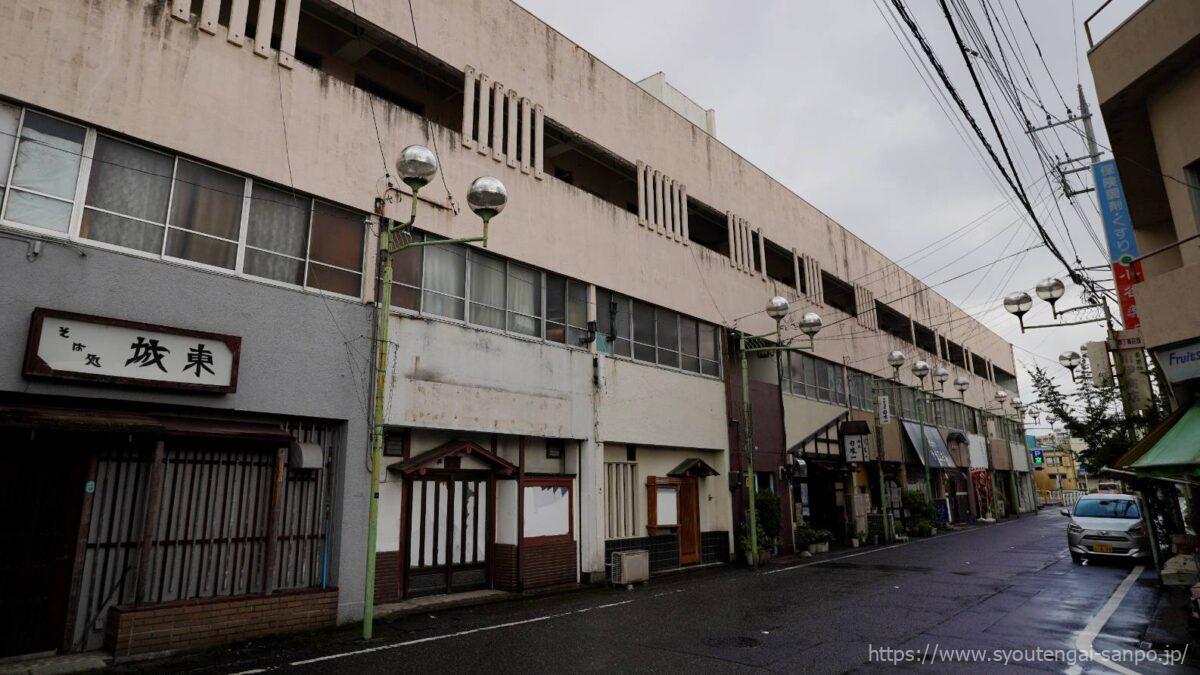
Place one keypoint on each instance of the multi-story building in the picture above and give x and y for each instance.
(1060, 469)
(189, 236)
(1147, 75)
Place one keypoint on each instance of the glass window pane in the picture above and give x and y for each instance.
(525, 325)
(10, 117)
(668, 358)
(31, 209)
(122, 231)
(445, 280)
(667, 323)
(622, 347)
(278, 221)
(710, 368)
(576, 304)
(272, 266)
(690, 363)
(201, 249)
(406, 275)
(130, 180)
(556, 332)
(334, 280)
(207, 200)
(688, 342)
(48, 156)
(524, 290)
(337, 236)
(556, 299)
(487, 290)
(643, 352)
(643, 323)
(604, 316)
(708, 342)
(621, 323)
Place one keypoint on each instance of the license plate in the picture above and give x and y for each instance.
(1102, 548)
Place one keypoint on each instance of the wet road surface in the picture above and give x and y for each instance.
(1003, 591)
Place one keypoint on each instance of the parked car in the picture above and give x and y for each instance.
(1107, 526)
(1108, 488)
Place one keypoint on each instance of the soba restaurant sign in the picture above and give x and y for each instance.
(70, 346)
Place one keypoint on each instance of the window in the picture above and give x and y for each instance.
(45, 172)
(811, 377)
(566, 310)
(839, 294)
(1004, 378)
(861, 391)
(612, 322)
(407, 268)
(336, 249)
(547, 508)
(127, 196)
(707, 227)
(780, 265)
(689, 344)
(488, 294)
(926, 338)
(524, 300)
(667, 323)
(979, 366)
(954, 353)
(153, 202)
(206, 215)
(893, 323)
(277, 235)
(710, 350)
(577, 161)
(445, 281)
(643, 331)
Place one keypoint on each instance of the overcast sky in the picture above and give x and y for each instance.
(821, 95)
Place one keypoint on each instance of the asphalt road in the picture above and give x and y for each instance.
(1003, 587)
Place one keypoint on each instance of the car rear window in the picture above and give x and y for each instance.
(1107, 508)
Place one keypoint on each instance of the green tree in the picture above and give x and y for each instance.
(1095, 417)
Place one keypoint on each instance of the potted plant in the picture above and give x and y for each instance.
(858, 539)
(806, 538)
(822, 540)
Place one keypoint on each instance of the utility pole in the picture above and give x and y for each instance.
(487, 196)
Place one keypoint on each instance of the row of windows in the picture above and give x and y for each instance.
(629, 327)
(466, 284)
(65, 178)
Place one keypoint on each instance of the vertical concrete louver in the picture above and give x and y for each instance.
(499, 122)
(661, 203)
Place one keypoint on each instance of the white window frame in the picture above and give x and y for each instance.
(78, 206)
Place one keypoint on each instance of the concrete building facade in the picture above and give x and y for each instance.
(209, 169)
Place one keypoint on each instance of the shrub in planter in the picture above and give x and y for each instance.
(769, 514)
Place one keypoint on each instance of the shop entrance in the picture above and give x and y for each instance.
(41, 493)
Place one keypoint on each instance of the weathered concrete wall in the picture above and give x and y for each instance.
(130, 68)
(648, 405)
(716, 511)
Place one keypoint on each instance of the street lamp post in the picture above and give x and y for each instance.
(487, 196)
(920, 370)
(810, 325)
(1001, 397)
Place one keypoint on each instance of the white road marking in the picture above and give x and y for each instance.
(435, 638)
(877, 550)
(1086, 638)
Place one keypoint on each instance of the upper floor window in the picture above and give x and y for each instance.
(1004, 378)
(72, 180)
(839, 294)
(979, 366)
(926, 338)
(893, 323)
(808, 376)
(656, 335)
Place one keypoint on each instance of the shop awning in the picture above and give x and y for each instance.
(693, 466)
(939, 454)
(116, 421)
(1177, 450)
(457, 448)
(1143, 446)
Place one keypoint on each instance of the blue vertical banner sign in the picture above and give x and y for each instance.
(1118, 228)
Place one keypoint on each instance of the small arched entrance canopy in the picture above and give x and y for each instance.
(450, 454)
(693, 467)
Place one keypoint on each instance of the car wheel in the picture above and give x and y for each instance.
(1077, 558)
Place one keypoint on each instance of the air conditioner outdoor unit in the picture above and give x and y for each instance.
(630, 567)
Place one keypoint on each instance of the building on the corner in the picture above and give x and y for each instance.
(203, 176)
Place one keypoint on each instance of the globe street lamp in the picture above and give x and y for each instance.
(777, 308)
(1018, 304)
(896, 361)
(940, 375)
(962, 384)
(1070, 361)
(487, 197)
(1051, 289)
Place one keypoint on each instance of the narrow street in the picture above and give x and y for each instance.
(1005, 587)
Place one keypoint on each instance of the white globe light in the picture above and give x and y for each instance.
(487, 196)
(1069, 360)
(896, 359)
(1050, 289)
(920, 369)
(1001, 396)
(416, 166)
(811, 323)
(961, 383)
(1017, 303)
(778, 307)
